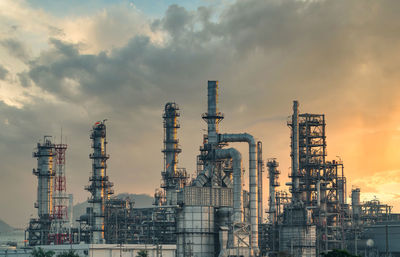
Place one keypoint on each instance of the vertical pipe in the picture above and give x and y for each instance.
(71, 213)
(260, 182)
(253, 197)
(244, 137)
(295, 152)
(319, 193)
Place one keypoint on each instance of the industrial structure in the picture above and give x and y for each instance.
(59, 231)
(213, 214)
(53, 224)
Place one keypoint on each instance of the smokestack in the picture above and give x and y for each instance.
(212, 117)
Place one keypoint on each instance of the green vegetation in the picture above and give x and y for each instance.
(39, 252)
(338, 253)
(142, 253)
(70, 253)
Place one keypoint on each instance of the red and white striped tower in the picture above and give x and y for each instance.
(59, 229)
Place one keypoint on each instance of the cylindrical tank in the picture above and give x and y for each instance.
(355, 202)
(298, 240)
(341, 190)
(196, 231)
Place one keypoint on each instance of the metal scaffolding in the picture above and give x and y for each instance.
(59, 231)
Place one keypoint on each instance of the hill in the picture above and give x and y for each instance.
(4, 227)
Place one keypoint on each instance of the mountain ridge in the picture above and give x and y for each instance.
(4, 227)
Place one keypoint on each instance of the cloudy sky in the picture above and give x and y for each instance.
(68, 64)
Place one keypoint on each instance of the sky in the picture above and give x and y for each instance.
(68, 64)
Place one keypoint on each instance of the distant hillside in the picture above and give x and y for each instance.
(4, 227)
(141, 201)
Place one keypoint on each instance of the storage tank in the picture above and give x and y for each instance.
(355, 202)
(196, 231)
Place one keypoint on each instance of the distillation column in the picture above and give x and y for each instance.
(39, 228)
(171, 150)
(273, 174)
(45, 173)
(100, 187)
(295, 153)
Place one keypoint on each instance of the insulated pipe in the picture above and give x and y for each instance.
(295, 152)
(237, 179)
(260, 182)
(244, 137)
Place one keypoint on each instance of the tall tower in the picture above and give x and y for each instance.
(295, 153)
(45, 173)
(60, 198)
(273, 175)
(39, 228)
(213, 117)
(173, 178)
(100, 187)
(212, 168)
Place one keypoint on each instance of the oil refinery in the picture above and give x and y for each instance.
(209, 213)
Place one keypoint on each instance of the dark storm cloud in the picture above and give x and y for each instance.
(3, 72)
(266, 53)
(16, 48)
(24, 79)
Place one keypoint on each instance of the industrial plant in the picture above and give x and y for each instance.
(208, 212)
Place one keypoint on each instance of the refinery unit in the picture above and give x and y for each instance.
(213, 215)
